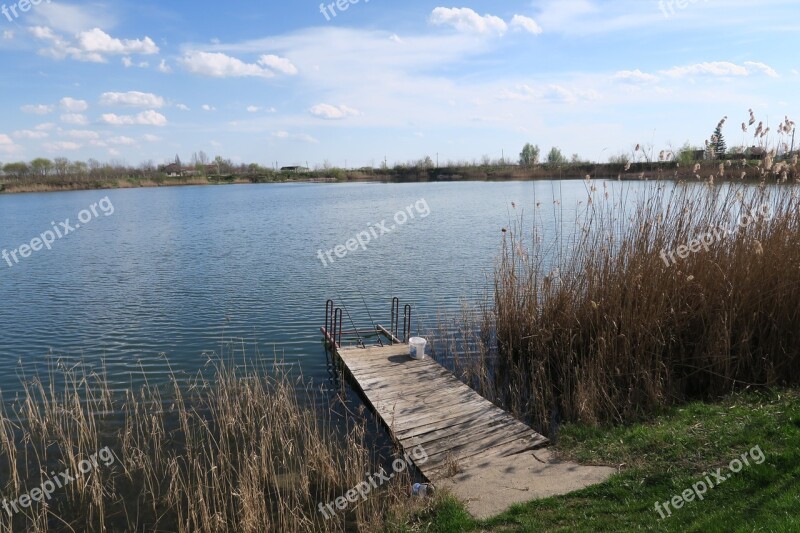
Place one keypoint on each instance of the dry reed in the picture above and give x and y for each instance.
(596, 328)
(247, 449)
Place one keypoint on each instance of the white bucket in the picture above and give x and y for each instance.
(416, 347)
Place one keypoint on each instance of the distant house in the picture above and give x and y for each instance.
(756, 153)
(294, 169)
(174, 170)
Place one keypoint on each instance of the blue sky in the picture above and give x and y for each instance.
(278, 82)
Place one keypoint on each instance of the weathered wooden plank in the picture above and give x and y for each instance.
(423, 403)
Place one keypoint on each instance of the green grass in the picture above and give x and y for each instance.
(660, 459)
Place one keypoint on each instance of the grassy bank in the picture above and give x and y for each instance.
(237, 451)
(661, 459)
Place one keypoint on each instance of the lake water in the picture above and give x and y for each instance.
(183, 271)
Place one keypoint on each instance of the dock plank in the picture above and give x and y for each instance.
(422, 403)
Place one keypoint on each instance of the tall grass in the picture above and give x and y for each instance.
(597, 328)
(238, 451)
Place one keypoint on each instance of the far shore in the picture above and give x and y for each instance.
(751, 171)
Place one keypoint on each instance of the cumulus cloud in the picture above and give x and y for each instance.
(520, 22)
(38, 109)
(121, 141)
(72, 105)
(467, 20)
(753, 66)
(301, 137)
(218, 65)
(5, 139)
(132, 99)
(82, 134)
(332, 112)
(634, 76)
(91, 46)
(163, 67)
(74, 118)
(30, 134)
(151, 138)
(206, 107)
(62, 146)
(554, 93)
(183, 107)
(716, 68)
(145, 118)
(280, 64)
(253, 109)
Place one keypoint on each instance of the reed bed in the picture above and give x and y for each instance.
(597, 327)
(245, 449)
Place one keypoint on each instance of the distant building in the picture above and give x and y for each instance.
(174, 170)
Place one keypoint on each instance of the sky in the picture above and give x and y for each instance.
(296, 83)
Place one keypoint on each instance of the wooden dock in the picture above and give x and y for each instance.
(422, 403)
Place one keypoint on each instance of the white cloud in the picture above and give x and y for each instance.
(163, 67)
(8, 35)
(206, 107)
(145, 118)
(761, 67)
(332, 112)
(634, 76)
(45, 126)
(151, 138)
(523, 23)
(552, 92)
(73, 106)
(281, 64)
(62, 146)
(74, 118)
(7, 146)
(96, 40)
(38, 109)
(716, 68)
(30, 134)
(121, 141)
(217, 65)
(301, 137)
(132, 99)
(128, 62)
(82, 134)
(183, 107)
(92, 46)
(253, 109)
(466, 20)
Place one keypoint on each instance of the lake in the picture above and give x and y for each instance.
(185, 271)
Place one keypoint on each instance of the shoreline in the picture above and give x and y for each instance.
(636, 172)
